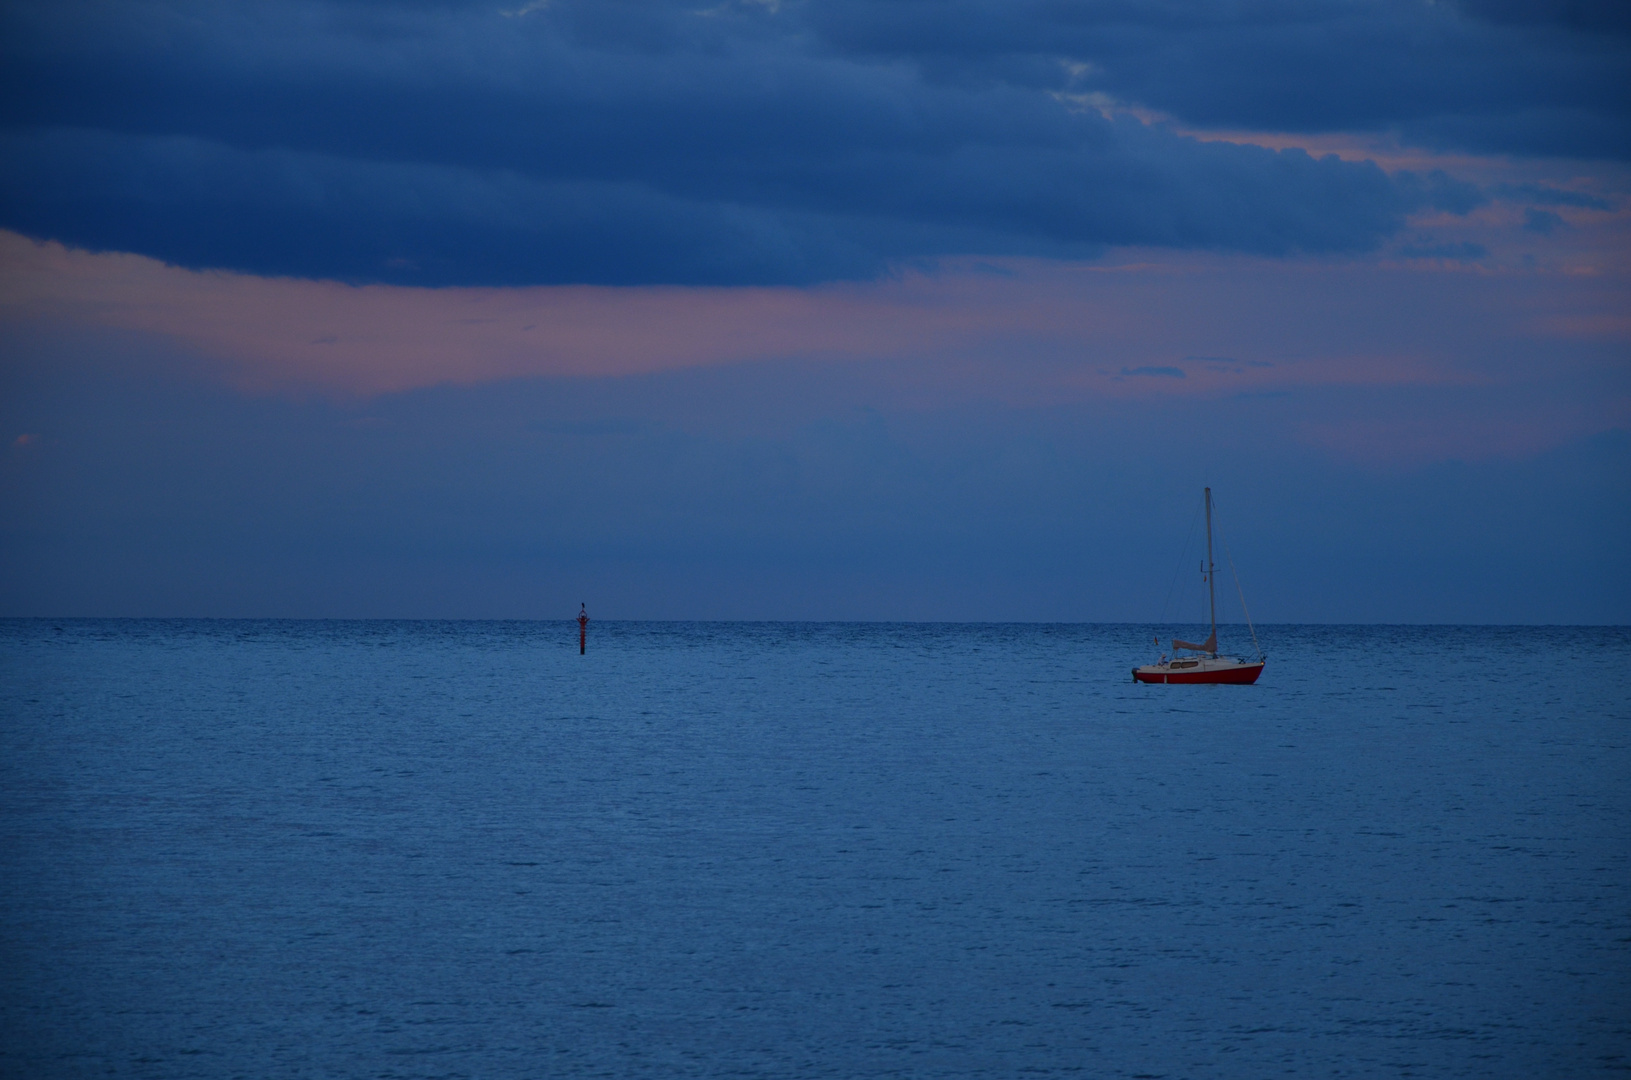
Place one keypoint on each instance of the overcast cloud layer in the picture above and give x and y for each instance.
(763, 143)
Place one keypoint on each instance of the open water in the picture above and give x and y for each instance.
(398, 849)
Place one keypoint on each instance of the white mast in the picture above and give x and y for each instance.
(1211, 588)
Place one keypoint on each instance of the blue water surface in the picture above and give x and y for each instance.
(417, 849)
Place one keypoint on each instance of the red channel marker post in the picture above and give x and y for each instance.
(583, 629)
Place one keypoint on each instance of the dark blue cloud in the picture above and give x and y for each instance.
(1517, 76)
(442, 143)
(1455, 251)
(1541, 221)
(1599, 16)
(1546, 195)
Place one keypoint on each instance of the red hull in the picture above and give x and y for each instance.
(1244, 675)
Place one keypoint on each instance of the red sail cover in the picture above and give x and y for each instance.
(1210, 646)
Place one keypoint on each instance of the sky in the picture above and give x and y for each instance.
(783, 309)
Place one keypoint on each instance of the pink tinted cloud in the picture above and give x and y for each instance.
(377, 338)
(1148, 325)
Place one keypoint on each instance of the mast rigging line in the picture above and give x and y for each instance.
(1178, 569)
(1230, 559)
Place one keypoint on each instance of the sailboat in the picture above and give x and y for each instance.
(1204, 665)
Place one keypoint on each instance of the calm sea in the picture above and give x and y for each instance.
(413, 849)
